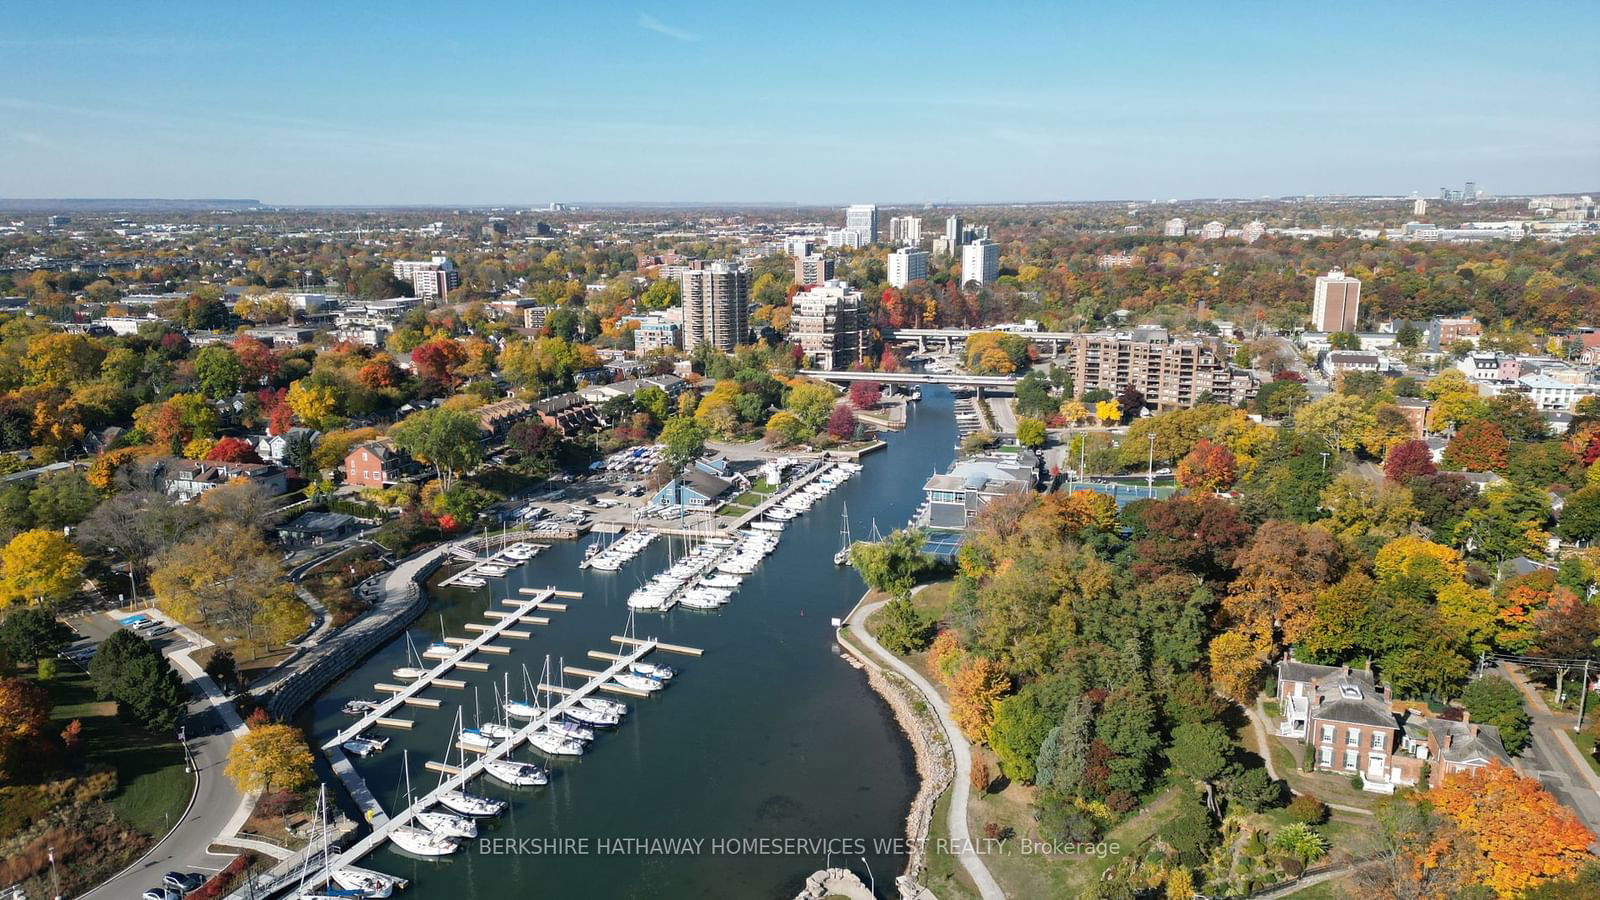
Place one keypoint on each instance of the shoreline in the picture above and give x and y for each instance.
(934, 758)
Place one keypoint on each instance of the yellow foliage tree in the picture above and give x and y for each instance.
(1074, 412)
(1237, 657)
(974, 690)
(1434, 565)
(1108, 412)
(270, 757)
(39, 565)
(312, 405)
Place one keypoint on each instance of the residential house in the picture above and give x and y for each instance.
(376, 464)
(954, 499)
(274, 448)
(1450, 746)
(694, 489)
(495, 419)
(186, 479)
(569, 414)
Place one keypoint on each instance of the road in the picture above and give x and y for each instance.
(1552, 757)
(960, 836)
(1005, 420)
(211, 727)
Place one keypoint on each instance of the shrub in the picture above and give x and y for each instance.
(48, 668)
(1356, 782)
(981, 775)
(1308, 809)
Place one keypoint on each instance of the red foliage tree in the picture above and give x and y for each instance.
(24, 725)
(1287, 375)
(888, 362)
(1199, 535)
(1479, 446)
(280, 420)
(865, 394)
(436, 360)
(1208, 467)
(232, 449)
(842, 423)
(257, 358)
(380, 372)
(1411, 459)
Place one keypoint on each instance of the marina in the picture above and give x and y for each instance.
(817, 751)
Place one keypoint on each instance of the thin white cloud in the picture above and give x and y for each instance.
(651, 23)
(32, 137)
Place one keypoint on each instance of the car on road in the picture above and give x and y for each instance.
(158, 631)
(183, 881)
(163, 893)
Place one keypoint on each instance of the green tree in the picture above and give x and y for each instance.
(1021, 723)
(684, 439)
(1580, 515)
(30, 634)
(1127, 726)
(903, 629)
(1030, 432)
(59, 499)
(1199, 751)
(446, 438)
(115, 653)
(1496, 701)
(892, 565)
(219, 371)
(1064, 754)
(150, 693)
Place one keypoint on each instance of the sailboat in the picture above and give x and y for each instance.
(587, 715)
(413, 670)
(368, 882)
(322, 884)
(422, 841)
(516, 774)
(499, 730)
(475, 737)
(842, 558)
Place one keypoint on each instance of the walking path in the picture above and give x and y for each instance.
(1263, 740)
(988, 888)
(1556, 760)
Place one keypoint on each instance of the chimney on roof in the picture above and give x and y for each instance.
(1473, 729)
(1387, 696)
(1465, 716)
(1447, 739)
(1345, 670)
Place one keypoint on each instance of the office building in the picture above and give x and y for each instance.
(1471, 193)
(980, 263)
(827, 325)
(435, 277)
(907, 265)
(1169, 373)
(716, 306)
(812, 269)
(1174, 228)
(535, 316)
(1337, 302)
(905, 231)
(862, 218)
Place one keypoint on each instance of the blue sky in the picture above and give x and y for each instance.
(524, 102)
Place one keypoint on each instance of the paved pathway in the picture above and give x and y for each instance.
(960, 785)
(1554, 759)
(1263, 741)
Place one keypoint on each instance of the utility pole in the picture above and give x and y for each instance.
(1150, 470)
(1583, 696)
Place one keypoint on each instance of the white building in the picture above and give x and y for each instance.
(310, 303)
(1549, 393)
(432, 278)
(862, 218)
(980, 263)
(906, 231)
(827, 325)
(1253, 231)
(1174, 228)
(907, 265)
(1419, 207)
(1213, 231)
(846, 237)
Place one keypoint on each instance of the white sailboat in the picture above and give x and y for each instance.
(516, 774)
(421, 841)
(321, 885)
(413, 668)
(367, 882)
(842, 558)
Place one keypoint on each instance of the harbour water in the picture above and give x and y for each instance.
(769, 735)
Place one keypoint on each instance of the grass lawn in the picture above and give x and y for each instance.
(943, 873)
(1585, 741)
(152, 789)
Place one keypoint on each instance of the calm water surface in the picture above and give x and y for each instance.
(769, 734)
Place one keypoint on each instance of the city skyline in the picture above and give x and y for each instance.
(298, 106)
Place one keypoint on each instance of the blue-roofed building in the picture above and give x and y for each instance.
(955, 498)
(693, 489)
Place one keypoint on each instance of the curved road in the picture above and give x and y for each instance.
(216, 807)
(988, 888)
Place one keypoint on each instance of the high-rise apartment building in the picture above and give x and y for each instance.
(798, 246)
(1337, 302)
(846, 237)
(435, 277)
(827, 325)
(716, 306)
(1213, 231)
(980, 263)
(862, 218)
(813, 269)
(1419, 207)
(953, 231)
(905, 231)
(907, 265)
(1168, 373)
(1174, 228)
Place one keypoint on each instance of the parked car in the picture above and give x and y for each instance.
(158, 631)
(163, 893)
(183, 881)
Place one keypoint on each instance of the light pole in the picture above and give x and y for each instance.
(872, 882)
(1150, 471)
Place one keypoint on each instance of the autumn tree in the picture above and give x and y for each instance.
(1479, 446)
(1237, 659)
(1523, 834)
(1407, 460)
(865, 394)
(233, 450)
(841, 423)
(227, 576)
(1208, 467)
(447, 439)
(436, 361)
(312, 404)
(271, 757)
(25, 731)
(39, 566)
(1030, 432)
(1280, 571)
(974, 690)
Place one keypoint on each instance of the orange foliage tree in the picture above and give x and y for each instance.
(1208, 467)
(974, 690)
(1524, 835)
